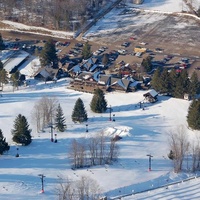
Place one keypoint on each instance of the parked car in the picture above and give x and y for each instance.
(122, 51)
(66, 43)
(101, 49)
(159, 50)
(132, 38)
(125, 44)
(104, 47)
(96, 53)
(143, 43)
(138, 54)
(79, 44)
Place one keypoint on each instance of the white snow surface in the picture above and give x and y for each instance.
(37, 30)
(143, 132)
(163, 5)
(168, 5)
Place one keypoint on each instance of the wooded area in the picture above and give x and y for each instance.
(54, 14)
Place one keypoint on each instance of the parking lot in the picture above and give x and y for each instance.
(175, 34)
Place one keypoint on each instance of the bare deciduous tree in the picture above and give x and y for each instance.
(179, 145)
(195, 153)
(44, 112)
(84, 189)
(87, 189)
(65, 190)
(97, 150)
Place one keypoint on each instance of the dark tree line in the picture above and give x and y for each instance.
(175, 83)
(54, 14)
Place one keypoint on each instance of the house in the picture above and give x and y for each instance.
(75, 70)
(104, 82)
(67, 66)
(13, 59)
(86, 82)
(90, 64)
(46, 74)
(151, 96)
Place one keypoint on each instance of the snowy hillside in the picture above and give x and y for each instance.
(143, 132)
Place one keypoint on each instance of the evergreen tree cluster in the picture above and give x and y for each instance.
(193, 117)
(98, 103)
(175, 83)
(3, 144)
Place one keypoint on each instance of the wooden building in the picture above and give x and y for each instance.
(151, 96)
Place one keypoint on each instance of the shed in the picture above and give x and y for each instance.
(151, 96)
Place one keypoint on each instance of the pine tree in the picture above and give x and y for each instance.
(1, 65)
(156, 79)
(79, 113)
(98, 103)
(86, 52)
(182, 85)
(3, 78)
(3, 144)
(60, 119)
(2, 46)
(15, 79)
(194, 87)
(146, 63)
(21, 132)
(173, 78)
(48, 56)
(193, 118)
(164, 82)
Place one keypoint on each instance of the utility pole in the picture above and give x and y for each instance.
(150, 156)
(42, 180)
(51, 132)
(110, 109)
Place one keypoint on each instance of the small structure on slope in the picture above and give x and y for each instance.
(151, 96)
